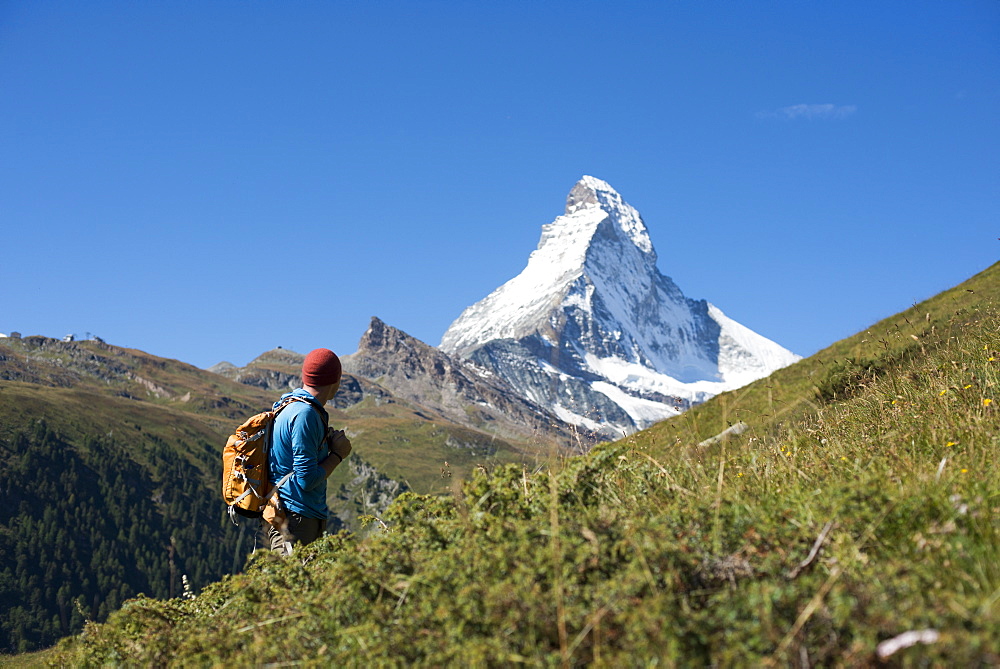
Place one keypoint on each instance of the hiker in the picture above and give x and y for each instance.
(304, 445)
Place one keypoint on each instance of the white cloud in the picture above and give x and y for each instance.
(814, 111)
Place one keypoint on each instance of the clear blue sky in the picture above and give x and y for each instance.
(208, 180)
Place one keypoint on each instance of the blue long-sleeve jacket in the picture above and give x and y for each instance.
(298, 445)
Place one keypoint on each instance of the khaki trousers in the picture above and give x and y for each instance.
(300, 530)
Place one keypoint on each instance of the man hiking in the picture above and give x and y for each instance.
(305, 446)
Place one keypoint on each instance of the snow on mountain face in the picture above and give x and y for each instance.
(592, 329)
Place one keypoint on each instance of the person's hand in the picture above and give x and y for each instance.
(340, 445)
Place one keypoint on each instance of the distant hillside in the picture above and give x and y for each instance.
(852, 523)
(110, 461)
(109, 471)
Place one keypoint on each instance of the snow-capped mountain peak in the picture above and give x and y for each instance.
(521, 305)
(593, 192)
(592, 329)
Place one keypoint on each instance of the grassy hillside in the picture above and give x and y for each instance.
(109, 463)
(836, 373)
(860, 504)
(110, 466)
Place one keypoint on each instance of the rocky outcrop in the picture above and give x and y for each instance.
(452, 388)
(368, 493)
(278, 371)
(275, 370)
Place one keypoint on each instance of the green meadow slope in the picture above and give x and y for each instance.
(860, 504)
(771, 406)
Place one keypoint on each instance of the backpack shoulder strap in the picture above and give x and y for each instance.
(311, 402)
(270, 435)
(324, 416)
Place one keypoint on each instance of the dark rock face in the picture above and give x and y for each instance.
(581, 195)
(519, 365)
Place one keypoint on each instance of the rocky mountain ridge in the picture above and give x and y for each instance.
(453, 388)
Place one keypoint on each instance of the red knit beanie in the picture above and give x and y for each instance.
(321, 368)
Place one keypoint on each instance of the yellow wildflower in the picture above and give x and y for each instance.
(987, 401)
(951, 443)
(942, 392)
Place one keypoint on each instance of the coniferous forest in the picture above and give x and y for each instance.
(85, 528)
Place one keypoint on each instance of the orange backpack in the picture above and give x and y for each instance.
(246, 487)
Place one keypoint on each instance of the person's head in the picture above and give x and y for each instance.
(321, 372)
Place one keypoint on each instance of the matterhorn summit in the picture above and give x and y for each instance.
(593, 330)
